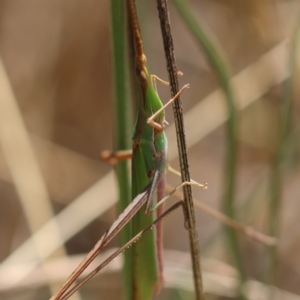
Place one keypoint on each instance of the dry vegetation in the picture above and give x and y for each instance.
(55, 107)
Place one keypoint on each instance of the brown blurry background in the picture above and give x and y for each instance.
(55, 119)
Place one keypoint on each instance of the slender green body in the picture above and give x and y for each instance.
(149, 156)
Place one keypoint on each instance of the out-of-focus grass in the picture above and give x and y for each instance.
(285, 133)
(60, 73)
(205, 42)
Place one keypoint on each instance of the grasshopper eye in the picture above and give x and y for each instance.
(144, 59)
(143, 75)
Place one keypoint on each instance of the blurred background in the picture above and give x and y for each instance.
(55, 119)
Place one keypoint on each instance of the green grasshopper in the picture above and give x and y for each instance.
(149, 158)
(148, 167)
(148, 183)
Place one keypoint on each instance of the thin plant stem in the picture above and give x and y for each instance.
(181, 142)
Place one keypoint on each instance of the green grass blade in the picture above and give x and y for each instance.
(122, 124)
(284, 142)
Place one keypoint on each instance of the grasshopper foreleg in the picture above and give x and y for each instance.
(159, 126)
